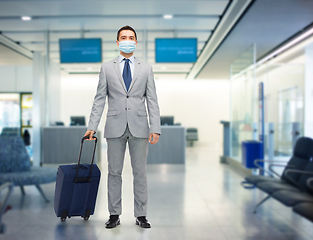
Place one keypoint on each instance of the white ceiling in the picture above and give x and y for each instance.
(267, 23)
(9, 57)
(102, 19)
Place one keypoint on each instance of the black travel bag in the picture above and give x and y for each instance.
(76, 188)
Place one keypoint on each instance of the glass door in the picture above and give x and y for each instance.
(26, 121)
(16, 117)
(290, 109)
(10, 114)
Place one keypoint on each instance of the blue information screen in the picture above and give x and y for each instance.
(84, 50)
(176, 50)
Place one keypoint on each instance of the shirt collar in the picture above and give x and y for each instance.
(131, 59)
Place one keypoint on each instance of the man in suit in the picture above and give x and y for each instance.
(129, 84)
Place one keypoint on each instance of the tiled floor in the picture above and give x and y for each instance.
(201, 200)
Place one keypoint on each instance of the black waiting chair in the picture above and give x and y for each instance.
(301, 156)
(191, 135)
(291, 181)
(304, 192)
(302, 202)
(304, 209)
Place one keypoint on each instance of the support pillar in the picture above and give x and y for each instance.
(54, 93)
(308, 91)
(39, 105)
(47, 75)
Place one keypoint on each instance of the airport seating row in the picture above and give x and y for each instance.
(15, 166)
(294, 188)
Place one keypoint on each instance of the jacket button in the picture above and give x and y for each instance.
(127, 96)
(125, 108)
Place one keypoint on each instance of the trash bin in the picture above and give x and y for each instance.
(251, 150)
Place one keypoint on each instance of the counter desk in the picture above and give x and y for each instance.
(61, 145)
(171, 148)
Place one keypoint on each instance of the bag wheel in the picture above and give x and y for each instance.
(63, 219)
(86, 218)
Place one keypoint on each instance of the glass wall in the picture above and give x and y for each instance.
(16, 117)
(283, 100)
(242, 111)
(242, 99)
(10, 113)
(283, 107)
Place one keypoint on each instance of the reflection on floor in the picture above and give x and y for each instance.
(201, 200)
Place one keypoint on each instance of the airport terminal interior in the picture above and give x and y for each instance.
(234, 84)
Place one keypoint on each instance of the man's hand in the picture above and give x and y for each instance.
(90, 133)
(154, 138)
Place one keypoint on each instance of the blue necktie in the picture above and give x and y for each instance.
(127, 74)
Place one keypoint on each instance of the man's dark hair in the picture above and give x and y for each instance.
(126, 28)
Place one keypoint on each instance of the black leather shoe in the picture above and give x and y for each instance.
(143, 222)
(113, 221)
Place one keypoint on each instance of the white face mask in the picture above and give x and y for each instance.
(127, 46)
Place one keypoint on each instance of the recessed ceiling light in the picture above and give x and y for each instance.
(89, 69)
(26, 18)
(163, 68)
(168, 16)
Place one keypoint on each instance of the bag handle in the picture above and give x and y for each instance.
(80, 153)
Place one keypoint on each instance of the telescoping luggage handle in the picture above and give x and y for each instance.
(88, 179)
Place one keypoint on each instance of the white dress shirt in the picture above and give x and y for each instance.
(131, 64)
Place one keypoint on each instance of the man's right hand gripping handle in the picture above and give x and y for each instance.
(90, 133)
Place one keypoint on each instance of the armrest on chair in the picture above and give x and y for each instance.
(270, 171)
(277, 165)
(3, 205)
(309, 182)
(299, 171)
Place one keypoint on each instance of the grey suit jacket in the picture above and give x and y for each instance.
(126, 106)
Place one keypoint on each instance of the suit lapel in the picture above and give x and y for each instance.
(118, 72)
(137, 69)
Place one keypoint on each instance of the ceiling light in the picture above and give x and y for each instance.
(163, 68)
(89, 69)
(168, 16)
(26, 18)
(286, 46)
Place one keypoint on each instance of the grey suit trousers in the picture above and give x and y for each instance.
(138, 149)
